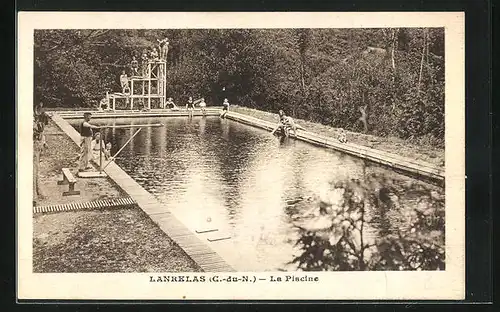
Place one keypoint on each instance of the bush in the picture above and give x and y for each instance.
(409, 234)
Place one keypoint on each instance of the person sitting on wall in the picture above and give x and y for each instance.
(102, 103)
(203, 105)
(225, 108)
(285, 124)
(281, 123)
(190, 106)
(170, 104)
(342, 136)
(144, 108)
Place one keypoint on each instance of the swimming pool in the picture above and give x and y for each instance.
(241, 180)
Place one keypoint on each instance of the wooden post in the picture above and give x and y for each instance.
(114, 102)
(131, 94)
(107, 100)
(159, 84)
(164, 98)
(100, 150)
(149, 85)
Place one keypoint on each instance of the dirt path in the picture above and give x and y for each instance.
(110, 240)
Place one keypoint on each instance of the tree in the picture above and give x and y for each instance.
(415, 243)
(323, 75)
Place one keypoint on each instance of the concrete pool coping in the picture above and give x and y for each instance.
(405, 165)
(198, 250)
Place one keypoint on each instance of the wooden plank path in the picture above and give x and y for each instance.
(95, 204)
(194, 247)
(399, 163)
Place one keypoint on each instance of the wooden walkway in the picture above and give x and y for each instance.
(95, 204)
(396, 162)
(194, 247)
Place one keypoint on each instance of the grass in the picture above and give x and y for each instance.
(111, 240)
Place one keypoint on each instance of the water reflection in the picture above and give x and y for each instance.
(245, 181)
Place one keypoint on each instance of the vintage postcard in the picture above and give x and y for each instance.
(241, 156)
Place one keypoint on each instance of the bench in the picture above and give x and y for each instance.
(70, 180)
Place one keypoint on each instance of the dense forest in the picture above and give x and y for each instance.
(394, 77)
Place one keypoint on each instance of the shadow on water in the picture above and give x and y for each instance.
(287, 205)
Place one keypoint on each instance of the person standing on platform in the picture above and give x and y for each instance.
(163, 46)
(154, 54)
(124, 82)
(134, 66)
(86, 134)
(144, 60)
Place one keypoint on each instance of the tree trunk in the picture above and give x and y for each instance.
(393, 62)
(363, 118)
(36, 162)
(421, 62)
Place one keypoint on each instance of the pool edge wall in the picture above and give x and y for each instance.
(414, 168)
(198, 250)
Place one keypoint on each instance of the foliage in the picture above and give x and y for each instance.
(323, 75)
(406, 238)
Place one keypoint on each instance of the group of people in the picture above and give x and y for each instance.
(190, 105)
(155, 54)
(91, 144)
(285, 124)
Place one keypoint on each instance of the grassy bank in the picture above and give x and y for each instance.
(422, 152)
(110, 240)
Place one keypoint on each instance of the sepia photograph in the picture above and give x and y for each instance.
(261, 153)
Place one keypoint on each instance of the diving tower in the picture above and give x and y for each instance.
(146, 91)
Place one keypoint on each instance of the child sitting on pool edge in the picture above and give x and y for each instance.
(225, 108)
(203, 105)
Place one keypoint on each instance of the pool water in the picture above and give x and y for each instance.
(213, 172)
